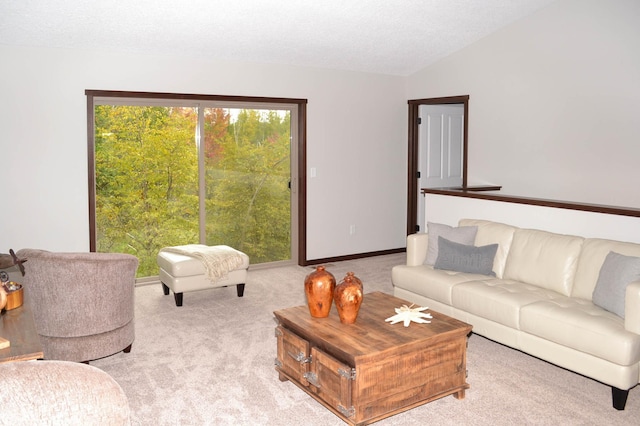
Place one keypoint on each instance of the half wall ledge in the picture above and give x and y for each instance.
(480, 193)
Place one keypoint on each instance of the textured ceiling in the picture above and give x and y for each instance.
(396, 37)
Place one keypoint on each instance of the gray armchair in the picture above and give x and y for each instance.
(83, 303)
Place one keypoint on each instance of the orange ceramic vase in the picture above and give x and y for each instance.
(348, 298)
(319, 286)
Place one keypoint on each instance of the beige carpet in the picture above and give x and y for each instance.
(210, 362)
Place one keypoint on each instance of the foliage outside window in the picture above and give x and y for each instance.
(147, 181)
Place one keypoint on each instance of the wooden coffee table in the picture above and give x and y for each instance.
(370, 370)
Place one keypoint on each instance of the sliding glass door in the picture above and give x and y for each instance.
(172, 173)
(247, 174)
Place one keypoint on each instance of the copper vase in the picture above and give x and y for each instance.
(14, 298)
(319, 286)
(348, 298)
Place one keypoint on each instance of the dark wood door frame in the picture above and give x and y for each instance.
(412, 170)
(301, 160)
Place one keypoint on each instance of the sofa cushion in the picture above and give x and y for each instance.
(428, 282)
(594, 251)
(462, 235)
(579, 324)
(498, 300)
(465, 258)
(544, 259)
(490, 233)
(616, 273)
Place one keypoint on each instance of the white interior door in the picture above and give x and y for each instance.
(440, 151)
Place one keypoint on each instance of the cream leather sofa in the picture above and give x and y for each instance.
(540, 300)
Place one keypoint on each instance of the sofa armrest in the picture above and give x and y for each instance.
(632, 308)
(417, 248)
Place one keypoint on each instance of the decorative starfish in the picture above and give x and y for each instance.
(406, 314)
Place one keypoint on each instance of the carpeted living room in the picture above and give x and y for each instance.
(211, 362)
(373, 124)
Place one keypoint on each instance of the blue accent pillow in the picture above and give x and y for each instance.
(616, 273)
(457, 257)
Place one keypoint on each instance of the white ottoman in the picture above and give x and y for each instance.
(182, 273)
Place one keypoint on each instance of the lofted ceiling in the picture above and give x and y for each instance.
(395, 37)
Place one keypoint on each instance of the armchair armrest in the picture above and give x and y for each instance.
(632, 307)
(417, 248)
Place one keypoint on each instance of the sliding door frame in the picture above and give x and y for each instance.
(300, 126)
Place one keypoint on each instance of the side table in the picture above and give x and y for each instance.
(18, 326)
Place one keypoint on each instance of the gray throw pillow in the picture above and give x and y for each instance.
(462, 234)
(616, 273)
(457, 257)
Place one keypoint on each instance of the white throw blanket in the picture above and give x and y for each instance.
(218, 261)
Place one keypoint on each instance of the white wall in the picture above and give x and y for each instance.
(553, 114)
(554, 102)
(356, 141)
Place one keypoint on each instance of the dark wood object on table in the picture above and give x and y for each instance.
(370, 370)
(17, 326)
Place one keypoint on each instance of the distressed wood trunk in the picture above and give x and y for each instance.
(369, 370)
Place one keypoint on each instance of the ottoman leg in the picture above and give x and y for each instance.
(178, 297)
(240, 289)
